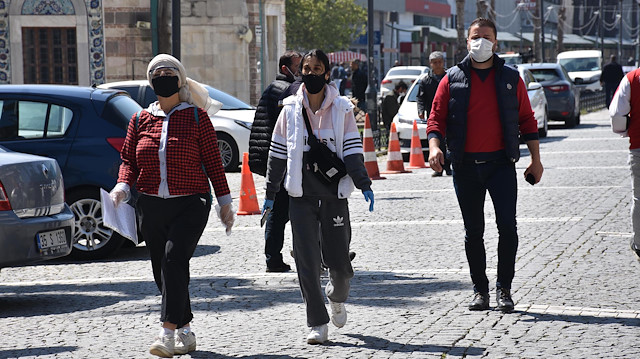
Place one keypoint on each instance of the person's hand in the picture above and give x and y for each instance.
(536, 169)
(227, 217)
(436, 157)
(117, 196)
(421, 115)
(368, 196)
(268, 203)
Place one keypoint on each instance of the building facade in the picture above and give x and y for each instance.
(232, 45)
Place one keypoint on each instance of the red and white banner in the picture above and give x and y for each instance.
(346, 56)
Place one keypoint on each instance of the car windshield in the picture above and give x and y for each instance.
(404, 72)
(120, 109)
(413, 95)
(545, 75)
(228, 102)
(581, 64)
(511, 59)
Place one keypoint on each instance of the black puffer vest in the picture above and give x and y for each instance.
(264, 122)
(506, 79)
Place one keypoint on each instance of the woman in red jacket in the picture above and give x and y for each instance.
(170, 154)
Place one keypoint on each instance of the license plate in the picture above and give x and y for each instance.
(51, 239)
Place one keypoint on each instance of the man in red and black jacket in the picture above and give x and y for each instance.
(482, 109)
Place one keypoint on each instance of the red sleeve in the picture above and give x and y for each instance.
(210, 155)
(526, 118)
(437, 121)
(128, 172)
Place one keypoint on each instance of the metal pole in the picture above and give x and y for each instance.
(542, 26)
(175, 28)
(601, 30)
(371, 88)
(620, 36)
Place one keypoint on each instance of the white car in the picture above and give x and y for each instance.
(232, 123)
(408, 112)
(585, 65)
(408, 74)
(538, 100)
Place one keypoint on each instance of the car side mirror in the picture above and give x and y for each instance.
(534, 86)
(578, 81)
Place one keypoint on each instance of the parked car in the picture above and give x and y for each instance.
(232, 123)
(408, 74)
(35, 223)
(83, 128)
(563, 96)
(585, 65)
(511, 58)
(537, 99)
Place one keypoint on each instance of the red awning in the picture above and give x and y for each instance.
(346, 56)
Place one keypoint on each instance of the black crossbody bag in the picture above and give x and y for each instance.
(326, 165)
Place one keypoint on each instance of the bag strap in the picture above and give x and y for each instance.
(312, 137)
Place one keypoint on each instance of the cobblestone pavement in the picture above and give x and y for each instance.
(573, 287)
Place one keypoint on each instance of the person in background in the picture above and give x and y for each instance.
(259, 141)
(610, 78)
(170, 154)
(427, 86)
(319, 211)
(391, 103)
(482, 109)
(359, 81)
(625, 120)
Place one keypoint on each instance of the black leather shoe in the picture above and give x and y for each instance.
(283, 267)
(635, 249)
(352, 255)
(505, 303)
(480, 302)
(436, 174)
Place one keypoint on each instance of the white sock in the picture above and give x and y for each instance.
(186, 329)
(166, 332)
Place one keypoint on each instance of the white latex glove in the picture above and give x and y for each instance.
(226, 215)
(117, 196)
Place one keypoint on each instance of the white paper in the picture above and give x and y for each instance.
(121, 219)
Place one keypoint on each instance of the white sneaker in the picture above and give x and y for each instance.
(163, 346)
(338, 314)
(185, 342)
(318, 334)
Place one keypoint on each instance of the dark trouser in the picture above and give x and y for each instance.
(274, 229)
(171, 228)
(610, 90)
(471, 182)
(321, 232)
(447, 162)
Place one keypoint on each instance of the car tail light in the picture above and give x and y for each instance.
(558, 88)
(384, 82)
(116, 142)
(4, 200)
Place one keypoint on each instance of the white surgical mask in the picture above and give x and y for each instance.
(480, 49)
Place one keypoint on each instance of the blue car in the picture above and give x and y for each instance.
(35, 223)
(83, 128)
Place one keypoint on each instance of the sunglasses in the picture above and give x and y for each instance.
(163, 71)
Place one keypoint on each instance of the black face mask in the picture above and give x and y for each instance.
(165, 86)
(313, 83)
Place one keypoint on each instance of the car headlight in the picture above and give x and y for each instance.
(244, 124)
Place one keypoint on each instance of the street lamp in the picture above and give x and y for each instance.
(519, 7)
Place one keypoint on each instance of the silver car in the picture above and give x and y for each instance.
(35, 222)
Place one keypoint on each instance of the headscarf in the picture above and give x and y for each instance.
(191, 91)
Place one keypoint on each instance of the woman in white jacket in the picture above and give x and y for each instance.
(319, 212)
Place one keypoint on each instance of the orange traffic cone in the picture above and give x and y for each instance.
(416, 158)
(394, 158)
(248, 198)
(370, 158)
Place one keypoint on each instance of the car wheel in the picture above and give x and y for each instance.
(543, 131)
(228, 152)
(578, 119)
(92, 240)
(571, 121)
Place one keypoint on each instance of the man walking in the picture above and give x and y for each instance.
(259, 141)
(359, 81)
(625, 120)
(427, 86)
(391, 103)
(481, 107)
(610, 78)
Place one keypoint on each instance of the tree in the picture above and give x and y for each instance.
(462, 39)
(330, 25)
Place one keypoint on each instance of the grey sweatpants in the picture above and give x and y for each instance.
(321, 234)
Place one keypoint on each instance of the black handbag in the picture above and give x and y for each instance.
(326, 165)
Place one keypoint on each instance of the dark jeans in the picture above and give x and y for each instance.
(274, 229)
(447, 162)
(609, 91)
(471, 182)
(172, 228)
